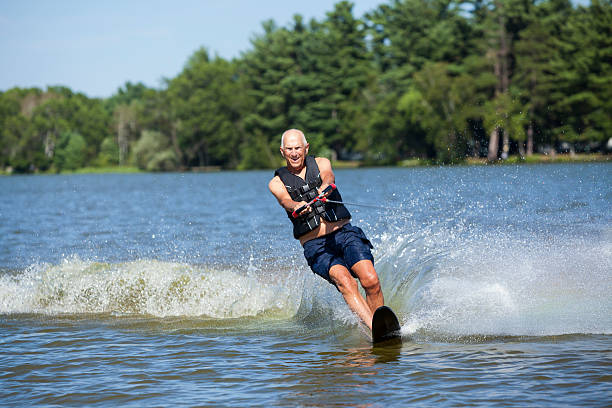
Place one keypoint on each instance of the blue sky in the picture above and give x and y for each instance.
(95, 47)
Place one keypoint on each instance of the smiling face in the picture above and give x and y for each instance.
(294, 150)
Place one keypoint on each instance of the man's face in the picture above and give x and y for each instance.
(294, 151)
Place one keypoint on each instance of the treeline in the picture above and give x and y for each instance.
(436, 79)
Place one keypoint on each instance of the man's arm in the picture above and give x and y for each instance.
(326, 172)
(277, 188)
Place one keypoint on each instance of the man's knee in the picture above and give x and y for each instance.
(370, 282)
(343, 279)
(367, 276)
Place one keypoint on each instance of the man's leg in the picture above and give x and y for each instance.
(347, 285)
(364, 270)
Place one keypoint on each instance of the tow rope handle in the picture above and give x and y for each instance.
(321, 197)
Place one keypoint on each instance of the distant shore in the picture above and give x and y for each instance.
(352, 164)
(472, 161)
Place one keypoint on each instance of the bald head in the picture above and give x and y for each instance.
(294, 149)
(293, 132)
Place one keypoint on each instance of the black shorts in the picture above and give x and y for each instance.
(345, 246)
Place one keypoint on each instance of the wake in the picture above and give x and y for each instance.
(145, 287)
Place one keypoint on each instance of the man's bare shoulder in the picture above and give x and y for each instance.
(323, 163)
(275, 185)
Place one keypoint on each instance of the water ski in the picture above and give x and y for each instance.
(385, 325)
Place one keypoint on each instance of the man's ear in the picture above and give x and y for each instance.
(282, 152)
(307, 146)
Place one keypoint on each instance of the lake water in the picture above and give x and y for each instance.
(188, 289)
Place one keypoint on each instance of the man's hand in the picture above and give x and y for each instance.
(301, 208)
(322, 190)
(326, 189)
(306, 208)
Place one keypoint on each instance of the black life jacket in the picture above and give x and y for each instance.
(305, 190)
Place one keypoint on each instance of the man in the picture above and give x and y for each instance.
(334, 249)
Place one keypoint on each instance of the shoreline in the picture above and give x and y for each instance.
(481, 161)
(355, 164)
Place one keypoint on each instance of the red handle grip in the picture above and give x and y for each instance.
(329, 188)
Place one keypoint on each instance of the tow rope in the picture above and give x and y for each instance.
(322, 197)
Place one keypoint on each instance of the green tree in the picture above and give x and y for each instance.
(109, 153)
(10, 126)
(344, 67)
(65, 110)
(583, 75)
(206, 99)
(135, 108)
(268, 65)
(534, 52)
(47, 123)
(443, 101)
(153, 152)
(408, 36)
(126, 94)
(497, 25)
(127, 127)
(71, 152)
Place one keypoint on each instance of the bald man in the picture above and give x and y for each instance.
(335, 250)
